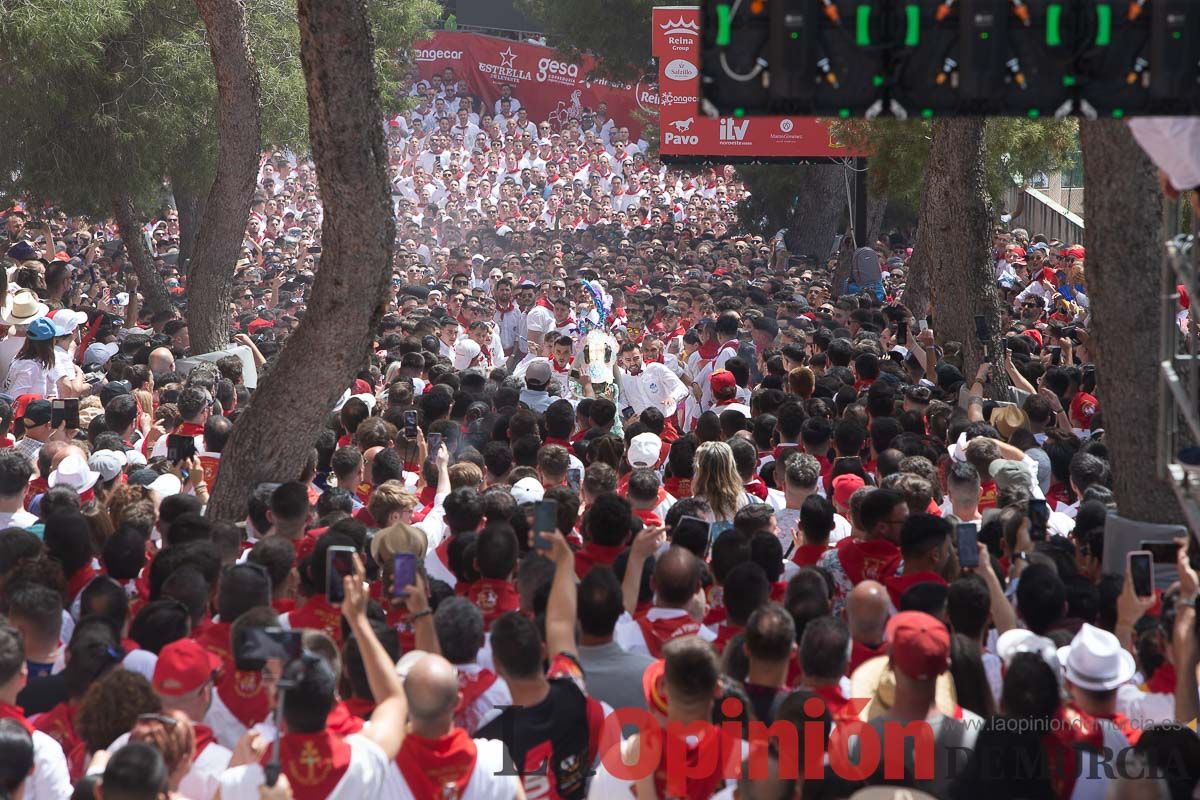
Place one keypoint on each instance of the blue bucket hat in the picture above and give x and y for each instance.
(41, 330)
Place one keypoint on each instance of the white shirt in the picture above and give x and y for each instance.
(654, 386)
(365, 777)
(485, 783)
(204, 778)
(17, 519)
(51, 779)
(9, 347)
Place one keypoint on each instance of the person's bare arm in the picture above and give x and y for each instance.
(1060, 416)
(424, 633)
(975, 397)
(1004, 617)
(1185, 653)
(1130, 608)
(390, 718)
(644, 545)
(1018, 380)
(560, 610)
(256, 355)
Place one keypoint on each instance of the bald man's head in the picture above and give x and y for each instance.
(677, 576)
(161, 361)
(867, 608)
(432, 690)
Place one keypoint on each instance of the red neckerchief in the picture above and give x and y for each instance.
(344, 440)
(190, 429)
(1062, 757)
(860, 653)
(876, 560)
(562, 370)
(711, 747)
(59, 724)
(778, 591)
(835, 701)
(725, 632)
(678, 487)
(36, 486)
(343, 721)
(427, 495)
(1125, 725)
(204, 737)
(8, 711)
(79, 580)
(214, 637)
(361, 707)
(244, 695)
(660, 631)
(709, 351)
(319, 614)
(756, 487)
(432, 766)
(807, 555)
(593, 554)
(494, 597)
(734, 344)
(557, 441)
(313, 762)
(544, 303)
(987, 496)
(648, 517)
(897, 585)
(504, 309)
(1162, 681)
(472, 687)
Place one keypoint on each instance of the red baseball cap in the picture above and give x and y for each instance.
(918, 645)
(722, 381)
(844, 486)
(183, 666)
(1083, 407)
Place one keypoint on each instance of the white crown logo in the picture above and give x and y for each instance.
(680, 27)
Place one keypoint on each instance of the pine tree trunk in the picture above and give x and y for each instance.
(151, 283)
(1123, 207)
(189, 203)
(223, 222)
(272, 439)
(817, 212)
(953, 248)
(876, 208)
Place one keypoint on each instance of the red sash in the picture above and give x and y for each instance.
(660, 631)
(79, 581)
(876, 560)
(678, 487)
(648, 517)
(860, 653)
(807, 555)
(343, 721)
(494, 598)
(204, 737)
(12, 712)
(473, 687)
(317, 613)
(244, 695)
(899, 584)
(59, 724)
(215, 638)
(1162, 681)
(437, 769)
(593, 554)
(725, 633)
(313, 762)
(361, 707)
(710, 747)
(756, 487)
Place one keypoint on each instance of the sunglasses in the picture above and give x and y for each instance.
(1030, 305)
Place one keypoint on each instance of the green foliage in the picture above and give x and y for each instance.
(114, 96)
(1016, 148)
(616, 32)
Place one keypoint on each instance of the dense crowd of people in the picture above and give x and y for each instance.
(617, 485)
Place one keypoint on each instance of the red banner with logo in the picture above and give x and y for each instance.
(683, 131)
(550, 87)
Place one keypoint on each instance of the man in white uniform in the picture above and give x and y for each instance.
(647, 385)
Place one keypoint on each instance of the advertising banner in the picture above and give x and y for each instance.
(684, 132)
(548, 86)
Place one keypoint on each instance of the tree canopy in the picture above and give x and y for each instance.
(109, 97)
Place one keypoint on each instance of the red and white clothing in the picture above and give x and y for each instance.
(51, 779)
(450, 767)
(320, 765)
(655, 386)
(482, 690)
(647, 633)
(210, 762)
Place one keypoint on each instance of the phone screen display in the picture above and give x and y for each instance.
(435, 442)
(545, 520)
(404, 573)
(180, 448)
(574, 478)
(410, 424)
(968, 552)
(1141, 573)
(339, 562)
